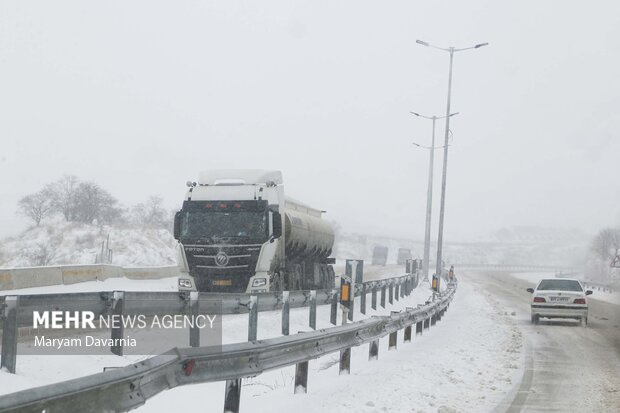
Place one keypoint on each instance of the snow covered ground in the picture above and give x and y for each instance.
(59, 242)
(469, 361)
(613, 297)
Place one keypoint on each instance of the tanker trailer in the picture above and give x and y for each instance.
(238, 233)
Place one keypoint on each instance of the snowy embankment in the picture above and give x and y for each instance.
(59, 243)
(467, 362)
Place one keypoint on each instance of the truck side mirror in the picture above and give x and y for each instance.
(177, 225)
(277, 224)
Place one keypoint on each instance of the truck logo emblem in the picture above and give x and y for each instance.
(221, 259)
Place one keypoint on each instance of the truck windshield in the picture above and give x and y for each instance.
(220, 224)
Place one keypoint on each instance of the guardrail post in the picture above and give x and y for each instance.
(392, 340)
(397, 291)
(383, 287)
(118, 307)
(427, 323)
(312, 320)
(253, 320)
(333, 317)
(373, 303)
(373, 351)
(393, 337)
(433, 319)
(391, 296)
(10, 332)
(363, 299)
(407, 338)
(232, 396)
(345, 361)
(286, 309)
(419, 327)
(352, 308)
(194, 332)
(403, 289)
(301, 377)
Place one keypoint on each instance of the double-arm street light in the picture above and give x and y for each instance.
(450, 50)
(429, 193)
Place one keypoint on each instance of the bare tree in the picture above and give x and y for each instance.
(63, 196)
(150, 213)
(36, 206)
(606, 244)
(94, 203)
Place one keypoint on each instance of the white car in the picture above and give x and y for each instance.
(559, 298)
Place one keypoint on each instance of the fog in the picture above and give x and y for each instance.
(140, 96)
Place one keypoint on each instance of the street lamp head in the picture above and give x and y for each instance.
(414, 113)
(480, 45)
(416, 144)
(454, 114)
(422, 43)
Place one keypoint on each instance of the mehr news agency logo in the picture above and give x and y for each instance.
(58, 320)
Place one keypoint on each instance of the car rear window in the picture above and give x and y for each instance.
(562, 285)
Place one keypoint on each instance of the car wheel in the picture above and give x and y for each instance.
(584, 321)
(535, 318)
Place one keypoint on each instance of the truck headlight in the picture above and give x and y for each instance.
(259, 282)
(185, 283)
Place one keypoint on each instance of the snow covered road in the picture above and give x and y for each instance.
(568, 368)
(468, 362)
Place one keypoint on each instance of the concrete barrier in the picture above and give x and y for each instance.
(72, 274)
(28, 277)
(15, 278)
(147, 273)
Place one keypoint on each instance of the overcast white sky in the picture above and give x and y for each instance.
(140, 96)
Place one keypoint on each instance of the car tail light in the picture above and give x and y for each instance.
(539, 300)
(579, 301)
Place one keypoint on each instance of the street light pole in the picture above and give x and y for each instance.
(451, 50)
(429, 206)
(429, 195)
(438, 264)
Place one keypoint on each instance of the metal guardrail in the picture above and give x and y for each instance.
(599, 286)
(17, 311)
(126, 388)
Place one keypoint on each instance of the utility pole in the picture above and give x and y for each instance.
(450, 50)
(429, 194)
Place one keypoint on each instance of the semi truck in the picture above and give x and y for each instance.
(404, 254)
(237, 232)
(379, 255)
